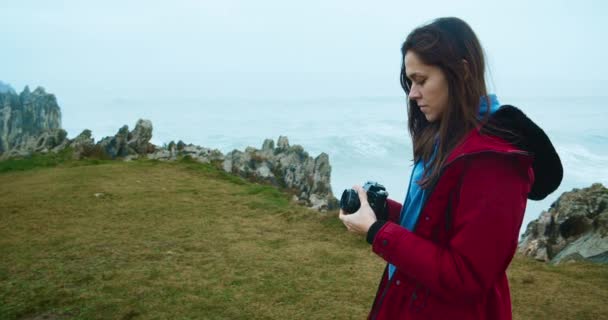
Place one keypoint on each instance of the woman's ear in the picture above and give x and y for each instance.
(465, 67)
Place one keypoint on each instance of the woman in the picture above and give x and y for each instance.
(475, 164)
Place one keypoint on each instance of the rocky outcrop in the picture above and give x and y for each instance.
(289, 167)
(574, 228)
(128, 143)
(138, 140)
(29, 122)
(83, 144)
(173, 151)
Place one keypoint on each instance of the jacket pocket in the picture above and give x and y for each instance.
(418, 299)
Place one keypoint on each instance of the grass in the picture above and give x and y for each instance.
(42, 161)
(575, 290)
(181, 240)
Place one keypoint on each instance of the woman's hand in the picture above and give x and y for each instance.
(360, 221)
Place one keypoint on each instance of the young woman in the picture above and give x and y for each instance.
(475, 165)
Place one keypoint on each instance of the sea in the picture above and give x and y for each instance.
(366, 138)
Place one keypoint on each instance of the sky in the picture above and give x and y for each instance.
(265, 49)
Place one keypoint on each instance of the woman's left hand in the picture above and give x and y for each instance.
(361, 220)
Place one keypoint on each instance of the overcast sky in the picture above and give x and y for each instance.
(292, 49)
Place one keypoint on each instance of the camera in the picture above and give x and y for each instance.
(376, 196)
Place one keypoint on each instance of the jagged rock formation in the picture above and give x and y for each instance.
(287, 166)
(125, 143)
(83, 144)
(173, 151)
(574, 228)
(138, 140)
(29, 122)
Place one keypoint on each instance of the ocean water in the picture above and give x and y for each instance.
(365, 138)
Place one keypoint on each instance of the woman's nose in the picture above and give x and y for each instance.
(415, 93)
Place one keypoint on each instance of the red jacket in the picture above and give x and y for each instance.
(454, 265)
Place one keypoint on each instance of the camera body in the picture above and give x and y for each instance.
(376, 196)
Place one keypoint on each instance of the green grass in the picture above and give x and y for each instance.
(181, 240)
(575, 290)
(41, 161)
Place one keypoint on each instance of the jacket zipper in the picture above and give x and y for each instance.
(381, 299)
(390, 280)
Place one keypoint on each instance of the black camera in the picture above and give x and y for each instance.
(376, 196)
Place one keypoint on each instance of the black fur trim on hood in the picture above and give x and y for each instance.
(524, 134)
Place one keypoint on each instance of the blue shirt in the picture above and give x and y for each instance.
(412, 206)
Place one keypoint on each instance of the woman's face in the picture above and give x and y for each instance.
(429, 86)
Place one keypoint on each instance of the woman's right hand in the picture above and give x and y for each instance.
(360, 221)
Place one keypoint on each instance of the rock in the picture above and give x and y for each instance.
(180, 145)
(162, 154)
(237, 162)
(201, 154)
(127, 143)
(83, 144)
(29, 122)
(268, 145)
(591, 246)
(50, 139)
(15, 153)
(116, 146)
(139, 138)
(264, 172)
(228, 163)
(574, 228)
(282, 143)
(172, 146)
(172, 151)
(289, 167)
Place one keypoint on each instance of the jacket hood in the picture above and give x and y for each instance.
(516, 128)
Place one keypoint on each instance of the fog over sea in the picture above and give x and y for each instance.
(366, 138)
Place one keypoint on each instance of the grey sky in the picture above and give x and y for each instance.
(262, 49)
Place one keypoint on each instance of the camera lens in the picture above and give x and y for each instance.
(349, 202)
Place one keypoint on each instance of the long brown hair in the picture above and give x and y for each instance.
(451, 45)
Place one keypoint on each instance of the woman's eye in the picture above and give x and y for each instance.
(421, 83)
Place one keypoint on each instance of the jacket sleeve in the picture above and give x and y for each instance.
(485, 228)
(394, 210)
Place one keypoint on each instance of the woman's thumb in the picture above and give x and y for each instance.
(362, 194)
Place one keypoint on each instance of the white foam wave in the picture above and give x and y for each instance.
(581, 164)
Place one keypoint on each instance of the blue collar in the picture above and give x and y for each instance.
(483, 105)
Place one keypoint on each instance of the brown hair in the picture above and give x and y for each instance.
(451, 45)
